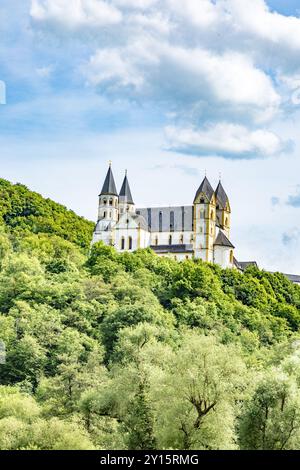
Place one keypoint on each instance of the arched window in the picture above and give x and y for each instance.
(172, 221)
(104, 202)
(110, 202)
(104, 214)
(181, 239)
(202, 200)
(110, 214)
(170, 240)
(160, 221)
(130, 243)
(122, 243)
(231, 256)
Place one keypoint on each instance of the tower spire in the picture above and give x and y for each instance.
(125, 193)
(221, 195)
(109, 186)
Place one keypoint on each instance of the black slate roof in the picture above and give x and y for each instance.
(222, 240)
(172, 248)
(205, 188)
(221, 196)
(244, 264)
(293, 278)
(109, 186)
(125, 193)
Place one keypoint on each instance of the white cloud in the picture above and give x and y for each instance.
(224, 139)
(259, 21)
(202, 13)
(200, 61)
(156, 22)
(74, 14)
(136, 4)
(158, 69)
(108, 67)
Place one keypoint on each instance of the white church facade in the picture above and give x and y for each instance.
(201, 230)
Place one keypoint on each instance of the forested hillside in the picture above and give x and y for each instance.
(103, 350)
(24, 211)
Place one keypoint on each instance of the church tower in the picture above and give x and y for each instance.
(108, 211)
(126, 203)
(204, 222)
(223, 209)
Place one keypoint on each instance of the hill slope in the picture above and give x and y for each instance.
(23, 210)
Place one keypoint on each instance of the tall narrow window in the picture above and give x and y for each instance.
(156, 241)
(130, 243)
(181, 239)
(122, 243)
(160, 221)
(170, 240)
(231, 257)
(110, 202)
(172, 221)
(104, 214)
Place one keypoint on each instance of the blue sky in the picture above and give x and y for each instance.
(167, 93)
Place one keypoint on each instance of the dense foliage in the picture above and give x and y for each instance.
(25, 211)
(133, 351)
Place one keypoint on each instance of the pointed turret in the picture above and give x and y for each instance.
(221, 196)
(108, 211)
(206, 189)
(125, 195)
(126, 203)
(223, 209)
(109, 186)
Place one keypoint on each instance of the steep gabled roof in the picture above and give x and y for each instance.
(221, 196)
(109, 186)
(205, 188)
(125, 193)
(222, 240)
